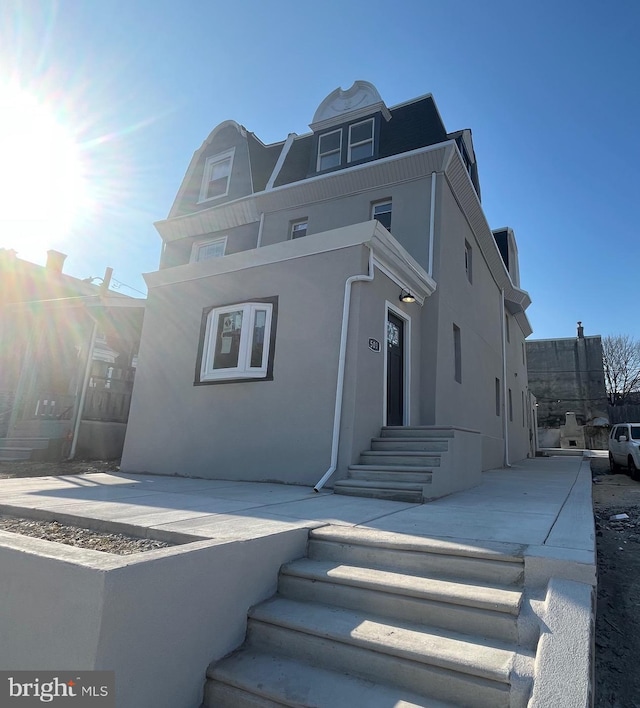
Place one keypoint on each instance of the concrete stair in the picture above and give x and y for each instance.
(16, 449)
(400, 464)
(375, 618)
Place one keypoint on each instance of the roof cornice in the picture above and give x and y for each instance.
(516, 299)
(389, 256)
(352, 116)
(344, 106)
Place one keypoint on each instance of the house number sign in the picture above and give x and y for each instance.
(374, 345)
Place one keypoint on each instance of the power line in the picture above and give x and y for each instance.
(119, 284)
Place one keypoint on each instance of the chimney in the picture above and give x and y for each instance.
(580, 331)
(55, 260)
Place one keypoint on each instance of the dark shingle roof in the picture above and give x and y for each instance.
(296, 164)
(263, 160)
(412, 126)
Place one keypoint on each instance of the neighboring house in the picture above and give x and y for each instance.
(567, 376)
(314, 290)
(66, 354)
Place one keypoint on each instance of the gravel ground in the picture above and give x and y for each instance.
(618, 611)
(11, 470)
(117, 543)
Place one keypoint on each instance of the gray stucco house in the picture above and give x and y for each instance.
(317, 291)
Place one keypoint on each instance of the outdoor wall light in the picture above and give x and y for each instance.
(406, 296)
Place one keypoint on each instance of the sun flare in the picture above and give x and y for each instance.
(42, 185)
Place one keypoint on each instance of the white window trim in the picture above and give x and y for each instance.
(380, 203)
(295, 223)
(212, 160)
(361, 142)
(244, 370)
(195, 249)
(406, 413)
(330, 152)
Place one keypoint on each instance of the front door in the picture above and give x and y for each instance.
(395, 370)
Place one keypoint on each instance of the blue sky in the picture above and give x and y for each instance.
(549, 89)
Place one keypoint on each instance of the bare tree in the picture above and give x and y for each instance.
(621, 360)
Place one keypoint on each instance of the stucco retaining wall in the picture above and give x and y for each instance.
(157, 619)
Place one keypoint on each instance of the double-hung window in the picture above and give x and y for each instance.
(237, 342)
(206, 250)
(329, 150)
(360, 141)
(215, 180)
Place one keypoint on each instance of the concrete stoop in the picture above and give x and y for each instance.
(18, 449)
(399, 465)
(374, 618)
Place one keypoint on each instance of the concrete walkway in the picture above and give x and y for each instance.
(542, 503)
(538, 510)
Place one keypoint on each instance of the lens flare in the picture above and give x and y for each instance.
(42, 181)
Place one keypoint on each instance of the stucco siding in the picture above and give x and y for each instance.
(365, 382)
(519, 426)
(256, 430)
(475, 308)
(409, 220)
(241, 238)
(227, 138)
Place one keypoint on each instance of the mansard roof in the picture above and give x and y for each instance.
(257, 167)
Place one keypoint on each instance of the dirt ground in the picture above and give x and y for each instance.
(43, 469)
(618, 542)
(618, 612)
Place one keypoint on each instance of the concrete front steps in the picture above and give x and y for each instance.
(19, 449)
(400, 465)
(375, 619)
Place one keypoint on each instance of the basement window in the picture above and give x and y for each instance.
(237, 342)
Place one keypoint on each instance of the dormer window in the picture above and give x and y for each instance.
(360, 141)
(215, 180)
(329, 150)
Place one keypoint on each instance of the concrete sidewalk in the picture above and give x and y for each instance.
(126, 613)
(543, 504)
